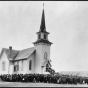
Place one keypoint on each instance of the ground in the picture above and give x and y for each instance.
(19, 84)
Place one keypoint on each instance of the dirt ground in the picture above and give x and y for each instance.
(19, 84)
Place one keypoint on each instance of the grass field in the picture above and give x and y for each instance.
(19, 84)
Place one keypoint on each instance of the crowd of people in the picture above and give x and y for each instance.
(45, 78)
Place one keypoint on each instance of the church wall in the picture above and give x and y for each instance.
(31, 57)
(40, 50)
(45, 48)
(4, 58)
(11, 66)
(22, 67)
(38, 59)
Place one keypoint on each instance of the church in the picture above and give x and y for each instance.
(31, 60)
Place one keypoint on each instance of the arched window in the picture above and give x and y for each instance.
(3, 65)
(44, 36)
(39, 36)
(30, 65)
(17, 65)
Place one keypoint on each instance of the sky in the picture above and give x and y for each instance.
(67, 22)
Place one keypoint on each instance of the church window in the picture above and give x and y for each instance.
(17, 65)
(44, 36)
(14, 67)
(3, 65)
(39, 36)
(30, 65)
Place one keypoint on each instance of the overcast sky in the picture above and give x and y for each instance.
(67, 22)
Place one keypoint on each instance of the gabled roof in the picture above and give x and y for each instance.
(18, 54)
(13, 53)
(25, 53)
(47, 62)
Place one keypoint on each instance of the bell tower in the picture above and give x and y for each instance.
(42, 46)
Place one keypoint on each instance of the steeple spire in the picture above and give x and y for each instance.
(42, 26)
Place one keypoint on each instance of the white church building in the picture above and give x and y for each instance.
(31, 60)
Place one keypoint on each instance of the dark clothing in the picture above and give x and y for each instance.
(44, 78)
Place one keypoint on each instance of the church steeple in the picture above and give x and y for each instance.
(42, 47)
(42, 26)
(42, 34)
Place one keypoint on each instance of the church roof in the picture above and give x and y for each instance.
(18, 54)
(24, 54)
(13, 53)
(47, 62)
